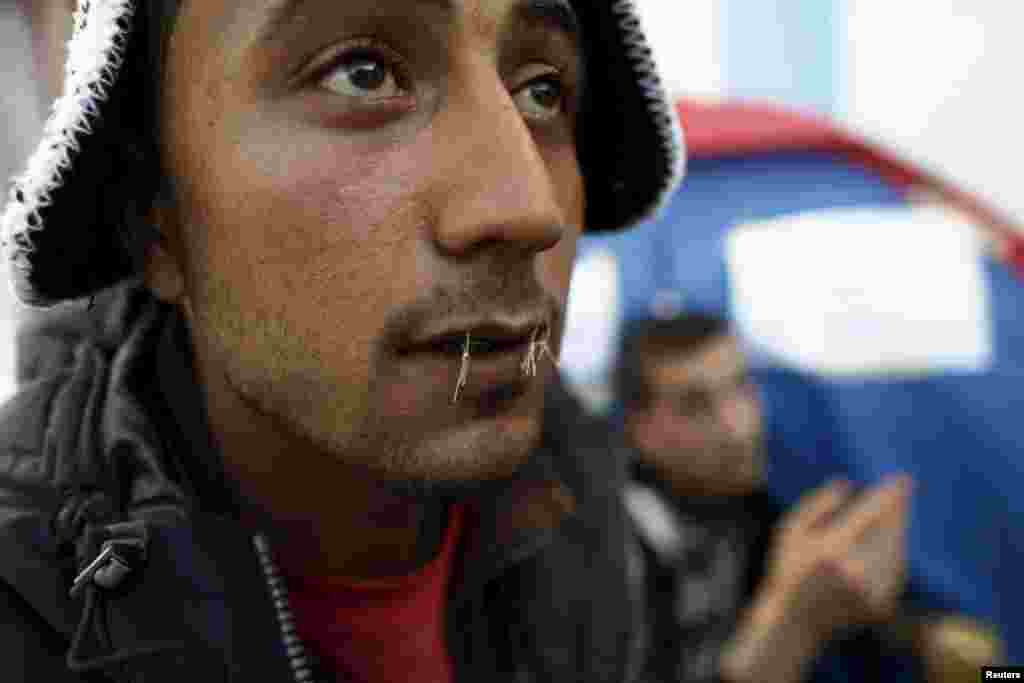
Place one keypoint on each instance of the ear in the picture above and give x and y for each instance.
(635, 429)
(164, 270)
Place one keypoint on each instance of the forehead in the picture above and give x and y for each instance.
(247, 21)
(717, 361)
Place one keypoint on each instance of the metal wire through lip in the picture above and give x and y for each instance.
(463, 370)
(538, 348)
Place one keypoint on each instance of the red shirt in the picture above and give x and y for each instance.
(381, 631)
(1016, 256)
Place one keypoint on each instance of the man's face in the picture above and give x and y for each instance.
(359, 184)
(701, 425)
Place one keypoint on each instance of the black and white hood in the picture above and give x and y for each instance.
(60, 226)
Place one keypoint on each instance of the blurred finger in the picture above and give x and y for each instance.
(875, 588)
(884, 565)
(880, 510)
(820, 505)
(885, 538)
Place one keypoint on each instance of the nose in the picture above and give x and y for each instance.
(497, 187)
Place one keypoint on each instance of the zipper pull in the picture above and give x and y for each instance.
(118, 557)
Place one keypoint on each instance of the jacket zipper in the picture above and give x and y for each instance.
(298, 658)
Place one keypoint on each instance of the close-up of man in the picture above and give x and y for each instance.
(327, 247)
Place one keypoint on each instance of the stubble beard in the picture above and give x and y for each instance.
(405, 456)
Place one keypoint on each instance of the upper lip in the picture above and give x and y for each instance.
(499, 329)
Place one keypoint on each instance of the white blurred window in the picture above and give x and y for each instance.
(592, 319)
(863, 292)
(939, 79)
(19, 127)
(684, 36)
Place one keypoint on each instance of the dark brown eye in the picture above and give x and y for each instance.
(363, 76)
(368, 75)
(547, 94)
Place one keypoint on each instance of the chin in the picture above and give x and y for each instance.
(464, 461)
(431, 449)
(457, 460)
(738, 489)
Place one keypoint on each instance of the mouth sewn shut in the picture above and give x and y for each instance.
(537, 350)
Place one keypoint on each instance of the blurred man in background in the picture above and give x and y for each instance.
(735, 589)
(932, 388)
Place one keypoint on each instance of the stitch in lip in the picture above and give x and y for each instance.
(538, 347)
(463, 370)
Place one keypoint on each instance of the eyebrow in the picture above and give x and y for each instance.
(550, 14)
(556, 14)
(283, 12)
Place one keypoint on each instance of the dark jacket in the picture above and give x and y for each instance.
(112, 444)
(687, 564)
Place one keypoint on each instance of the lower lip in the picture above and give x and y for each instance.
(488, 372)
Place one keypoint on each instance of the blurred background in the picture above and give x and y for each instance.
(932, 82)
(937, 78)
(20, 123)
(853, 208)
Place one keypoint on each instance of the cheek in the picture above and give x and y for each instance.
(669, 431)
(685, 435)
(666, 431)
(568, 180)
(314, 223)
(743, 417)
(753, 423)
(555, 265)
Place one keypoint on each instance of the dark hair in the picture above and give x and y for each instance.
(647, 340)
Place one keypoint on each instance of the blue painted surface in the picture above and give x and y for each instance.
(683, 249)
(959, 435)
